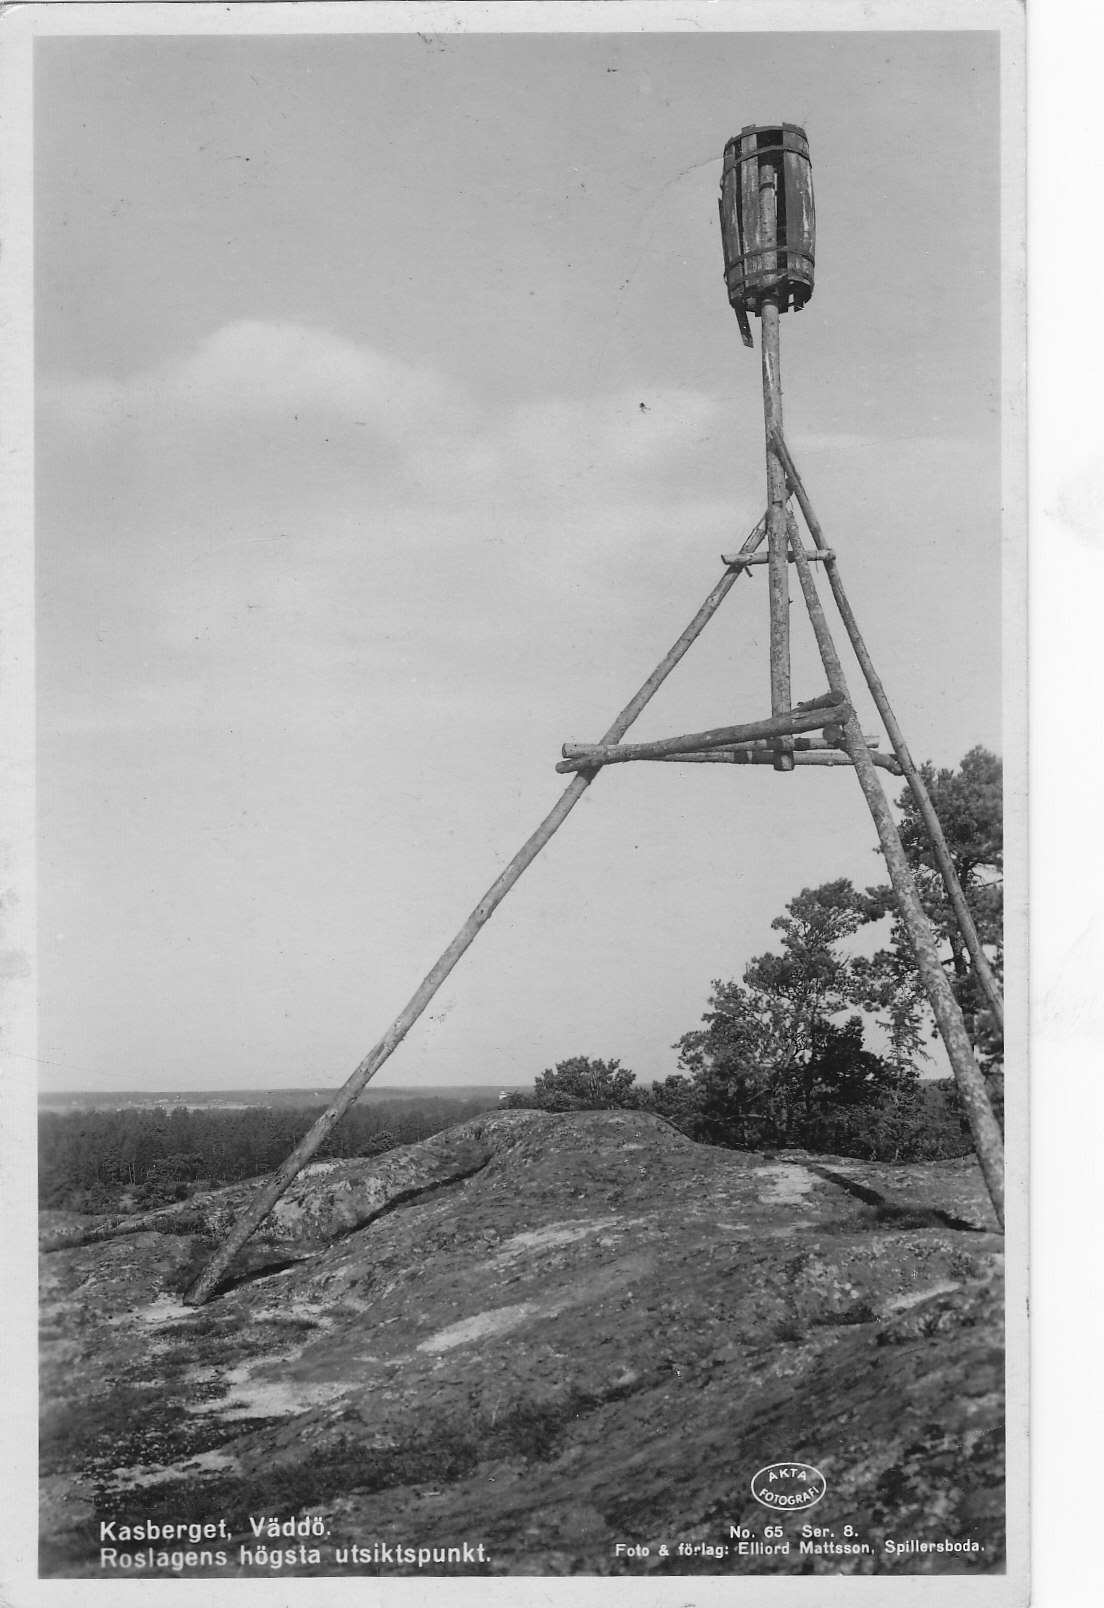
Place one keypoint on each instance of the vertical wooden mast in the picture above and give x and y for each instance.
(778, 573)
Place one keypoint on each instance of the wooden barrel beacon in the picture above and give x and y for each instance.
(768, 223)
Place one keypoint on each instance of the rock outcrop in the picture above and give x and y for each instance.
(530, 1346)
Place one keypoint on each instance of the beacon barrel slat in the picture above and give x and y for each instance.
(780, 267)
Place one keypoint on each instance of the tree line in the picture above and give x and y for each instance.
(781, 1057)
(96, 1161)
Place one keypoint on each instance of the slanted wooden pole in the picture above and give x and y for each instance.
(267, 1197)
(940, 849)
(584, 755)
(778, 574)
(988, 1141)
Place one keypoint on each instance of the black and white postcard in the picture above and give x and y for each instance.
(515, 734)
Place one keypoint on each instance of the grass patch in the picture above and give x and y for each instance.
(129, 1425)
(200, 1325)
(290, 1325)
(340, 1469)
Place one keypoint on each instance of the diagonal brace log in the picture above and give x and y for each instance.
(802, 744)
(940, 850)
(580, 756)
(267, 1197)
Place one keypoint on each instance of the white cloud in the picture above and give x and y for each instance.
(255, 374)
(259, 368)
(284, 519)
(285, 525)
(253, 370)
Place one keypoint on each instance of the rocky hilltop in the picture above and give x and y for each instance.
(537, 1344)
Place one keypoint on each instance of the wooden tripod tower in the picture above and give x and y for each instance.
(767, 230)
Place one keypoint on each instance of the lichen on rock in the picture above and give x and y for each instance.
(552, 1334)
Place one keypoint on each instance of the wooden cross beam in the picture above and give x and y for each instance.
(815, 557)
(765, 756)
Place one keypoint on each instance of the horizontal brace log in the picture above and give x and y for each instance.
(805, 744)
(765, 756)
(738, 560)
(584, 756)
(870, 738)
(766, 745)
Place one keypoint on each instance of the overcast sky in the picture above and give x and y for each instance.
(392, 419)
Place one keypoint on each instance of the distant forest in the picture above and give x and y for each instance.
(103, 1161)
